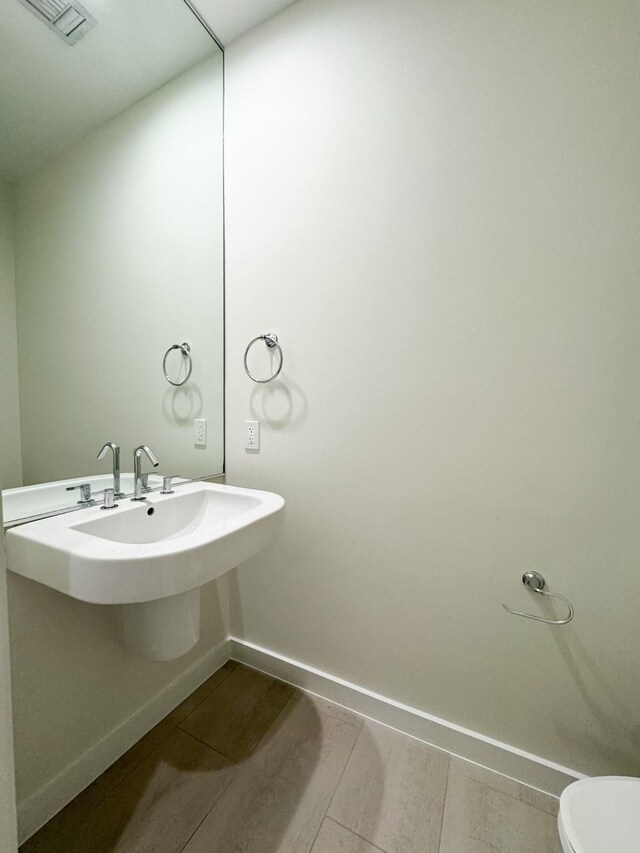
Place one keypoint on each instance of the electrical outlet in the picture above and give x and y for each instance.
(252, 435)
(200, 428)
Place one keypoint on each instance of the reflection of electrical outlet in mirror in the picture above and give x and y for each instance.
(252, 435)
(200, 426)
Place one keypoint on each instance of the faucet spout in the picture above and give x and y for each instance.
(137, 470)
(116, 466)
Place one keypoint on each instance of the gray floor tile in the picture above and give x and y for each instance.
(278, 799)
(157, 807)
(334, 838)
(327, 707)
(288, 753)
(50, 837)
(234, 717)
(530, 796)
(392, 791)
(479, 818)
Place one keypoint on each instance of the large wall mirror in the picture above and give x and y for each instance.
(111, 246)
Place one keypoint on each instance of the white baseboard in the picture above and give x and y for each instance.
(39, 807)
(500, 757)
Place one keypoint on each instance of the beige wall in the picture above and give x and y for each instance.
(8, 837)
(119, 256)
(9, 401)
(436, 207)
(73, 679)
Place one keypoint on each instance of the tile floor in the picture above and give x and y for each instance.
(247, 764)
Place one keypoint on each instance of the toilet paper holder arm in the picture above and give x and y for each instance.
(535, 582)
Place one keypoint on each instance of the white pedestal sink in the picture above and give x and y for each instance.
(149, 557)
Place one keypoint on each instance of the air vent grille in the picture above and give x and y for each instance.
(50, 8)
(69, 20)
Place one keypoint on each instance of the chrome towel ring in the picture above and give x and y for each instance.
(186, 352)
(271, 341)
(536, 583)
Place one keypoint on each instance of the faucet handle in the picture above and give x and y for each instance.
(85, 491)
(166, 484)
(109, 500)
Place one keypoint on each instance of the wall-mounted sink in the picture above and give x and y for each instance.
(152, 556)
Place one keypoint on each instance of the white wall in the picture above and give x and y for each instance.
(436, 206)
(9, 406)
(119, 256)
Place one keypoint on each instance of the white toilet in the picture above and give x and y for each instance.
(601, 815)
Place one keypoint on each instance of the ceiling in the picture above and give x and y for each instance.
(52, 94)
(230, 18)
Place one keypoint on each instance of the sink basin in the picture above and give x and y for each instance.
(146, 550)
(150, 556)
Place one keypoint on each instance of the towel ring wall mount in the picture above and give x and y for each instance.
(185, 349)
(535, 582)
(271, 341)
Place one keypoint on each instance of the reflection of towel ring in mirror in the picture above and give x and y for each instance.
(185, 349)
(271, 341)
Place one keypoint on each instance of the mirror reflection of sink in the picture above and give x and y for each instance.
(151, 557)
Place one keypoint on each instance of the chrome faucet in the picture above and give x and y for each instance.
(116, 466)
(137, 470)
(85, 494)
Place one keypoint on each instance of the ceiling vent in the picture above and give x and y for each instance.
(69, 20)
